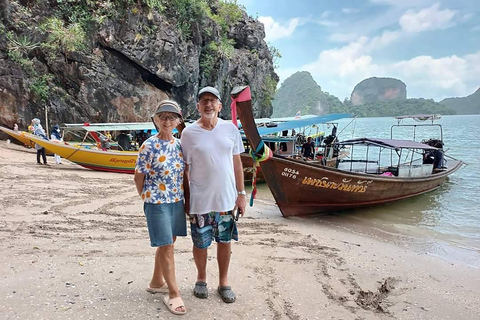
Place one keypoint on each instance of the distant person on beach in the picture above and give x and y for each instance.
(38, 131)
(56, 137)
(212, 148)
(159, 173)
(15, 127)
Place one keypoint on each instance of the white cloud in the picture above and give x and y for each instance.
(349, 10)
(343, 37)
(274, 30)
(339, 70)
(476, 29)
(432, 18)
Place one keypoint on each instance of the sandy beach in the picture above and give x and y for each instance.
(75, 246)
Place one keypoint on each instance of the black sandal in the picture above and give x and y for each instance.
(228, 296)
(200, 291)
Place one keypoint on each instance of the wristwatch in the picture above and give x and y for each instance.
(242, 192)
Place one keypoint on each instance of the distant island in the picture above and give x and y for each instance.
(464, 105)
(372, 97)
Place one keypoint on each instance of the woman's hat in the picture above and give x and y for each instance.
(168, 106)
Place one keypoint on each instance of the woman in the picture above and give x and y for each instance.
(159, 180)
(38, 131)
(57, 137)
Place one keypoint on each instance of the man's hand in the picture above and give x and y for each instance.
(241, 203)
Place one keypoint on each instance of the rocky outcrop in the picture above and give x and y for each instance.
(300, 92)
(127, 67)
(464, 105)
(378, 89)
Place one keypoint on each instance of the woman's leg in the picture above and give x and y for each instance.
(158, 278)
(44, 156)
(38, 156)
(168, 267)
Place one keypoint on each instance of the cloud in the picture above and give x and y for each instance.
(349, 10)
(343, 37)
(274, 30)
(431, 18)
(476, 29)
(339, 70)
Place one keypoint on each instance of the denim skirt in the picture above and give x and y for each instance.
(164, 221)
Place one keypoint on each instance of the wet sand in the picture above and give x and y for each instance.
(75, 245)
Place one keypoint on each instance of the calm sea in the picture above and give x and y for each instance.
(444, 222)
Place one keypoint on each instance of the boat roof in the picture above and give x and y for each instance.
(299, 123)
(129, 126)
(420, 117)
(389, 143)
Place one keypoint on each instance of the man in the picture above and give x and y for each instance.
(124, 140)
(308, 148)
(211, 148)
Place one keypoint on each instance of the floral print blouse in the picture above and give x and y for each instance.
(162, 163)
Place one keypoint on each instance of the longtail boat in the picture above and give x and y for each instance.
(21, 136)
(305, 188)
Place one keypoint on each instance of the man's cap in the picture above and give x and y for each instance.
(211, 90)
(168, 106)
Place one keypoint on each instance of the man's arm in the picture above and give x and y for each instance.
(241, 202)
(139, 179)
(186, 188)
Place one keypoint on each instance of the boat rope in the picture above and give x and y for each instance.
(257, 158)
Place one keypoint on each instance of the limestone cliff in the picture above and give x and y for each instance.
(378, 89)
(131, 58)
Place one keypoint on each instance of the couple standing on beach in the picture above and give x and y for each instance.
(200, 176)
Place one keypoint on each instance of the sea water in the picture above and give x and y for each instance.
(444, 222)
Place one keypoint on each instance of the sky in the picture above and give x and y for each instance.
(432, 46)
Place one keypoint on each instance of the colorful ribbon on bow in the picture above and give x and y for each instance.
(257, 158)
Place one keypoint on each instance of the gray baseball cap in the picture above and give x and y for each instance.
(211, 90)
(168, 106)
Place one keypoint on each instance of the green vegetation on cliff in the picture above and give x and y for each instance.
(397, 108)
(465, 105)
(301, 93)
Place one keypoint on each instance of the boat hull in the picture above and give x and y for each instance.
(21, 136)
(111, 161)
(304, 190)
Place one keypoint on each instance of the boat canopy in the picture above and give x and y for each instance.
(420, 117)
(128, 126)
(294, 124)
(388, 143)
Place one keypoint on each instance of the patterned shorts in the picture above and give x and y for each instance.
(220, 226)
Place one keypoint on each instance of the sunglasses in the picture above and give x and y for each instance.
(167, 118)
(204, 102)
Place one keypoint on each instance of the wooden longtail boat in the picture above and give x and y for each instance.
(113, 161)
(22, 136)
(301, 188)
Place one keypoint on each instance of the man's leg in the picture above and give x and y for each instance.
(200, 257)
(223, 259)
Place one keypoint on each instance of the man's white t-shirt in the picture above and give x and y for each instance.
(210, 156)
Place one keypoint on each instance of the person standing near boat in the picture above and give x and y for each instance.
(38, 131)
(56, 137)
(212, 148)
(159, 173)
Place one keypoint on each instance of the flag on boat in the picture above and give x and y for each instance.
(298, 114)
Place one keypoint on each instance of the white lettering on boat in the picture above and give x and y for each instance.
(342, 186)
(290, 173)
